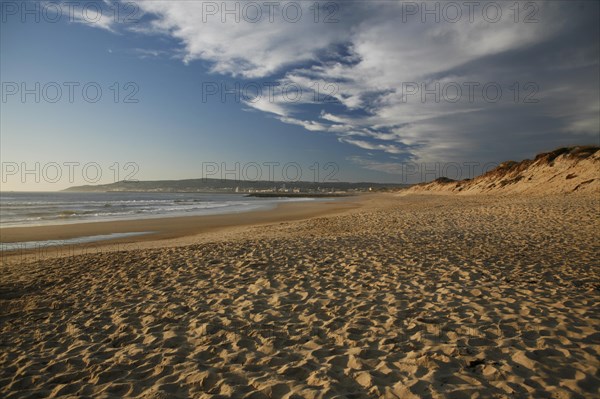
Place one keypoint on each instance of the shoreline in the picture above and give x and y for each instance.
(161, 231)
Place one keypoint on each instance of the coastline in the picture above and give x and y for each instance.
(159, 231)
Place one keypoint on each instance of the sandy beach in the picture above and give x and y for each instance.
(305, 199)
(394, 297)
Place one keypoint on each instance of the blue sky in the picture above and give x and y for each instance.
(371, 63)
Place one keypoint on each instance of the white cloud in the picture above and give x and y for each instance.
(90, 14)
(364, 61)
(238, 46)
(368, 145)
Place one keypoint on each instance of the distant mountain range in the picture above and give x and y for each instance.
(229, 186)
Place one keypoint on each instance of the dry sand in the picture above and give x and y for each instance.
(405, 296)
(565, 170)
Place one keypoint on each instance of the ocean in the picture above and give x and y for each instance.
(19, 209)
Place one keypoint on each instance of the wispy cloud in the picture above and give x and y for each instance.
(355, 73)
(96, 16)
(369, 145)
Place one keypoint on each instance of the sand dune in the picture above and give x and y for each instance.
(563, 171)
(406, 297)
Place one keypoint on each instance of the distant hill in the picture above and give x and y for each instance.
(229, 186)
(564, 170)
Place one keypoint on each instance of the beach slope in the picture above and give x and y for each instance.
(403, 297)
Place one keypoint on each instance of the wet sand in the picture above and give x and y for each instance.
(159, 230)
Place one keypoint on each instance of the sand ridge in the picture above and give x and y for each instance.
(408, 297)
(566, 170)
